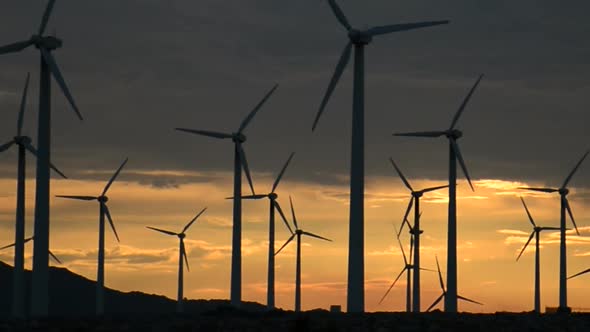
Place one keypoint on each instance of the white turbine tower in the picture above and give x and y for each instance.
(452, 134)
(45, 44)
(298, 233)
(536, 234)
(24, 144)
(565, 206)
(274, 205)
(415, 231)
(445, 291)
(102, 212)
(181, 255)
(359, 39)
(240, 162)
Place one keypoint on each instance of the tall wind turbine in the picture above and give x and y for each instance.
(24, 144)
(102, 212)
(452, 134)
(565, 205)
(274, 205)
(45, 44)
(24, 242)
(181, 255)
(536, 234)
(414, 230)
(445, 291)
(240, 162)
(359, 39)
(298, 233)
(408, 267)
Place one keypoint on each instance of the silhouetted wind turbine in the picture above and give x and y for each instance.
(239, 161)
(298, 232)
(274, 205)
(414, 230)
(359, 39)
(536, 233)
(445, 292)
(565, 205)
(45, 44)
(452, 134)
(103, 210)
(408, 267)
(27, 240)
(24, 144)
(181, 255)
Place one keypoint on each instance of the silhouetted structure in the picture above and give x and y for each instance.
(445, 292)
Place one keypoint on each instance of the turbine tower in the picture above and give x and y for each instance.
(415, 231)
(565, 205)
(452, 134)
(103, 210)
(298, 233)
(445, 292)
(408, 267)
(536, 234)
(239, 162)
(24, 242)
(359, 39)
(274, 205)
(45, 44)
(181, 255)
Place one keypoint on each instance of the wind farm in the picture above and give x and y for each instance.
(139, 83)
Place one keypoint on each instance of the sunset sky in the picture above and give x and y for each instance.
(139, 68)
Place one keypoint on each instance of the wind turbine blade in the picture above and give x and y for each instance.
(23, 103)
(403, 251)
(580, 273)
(278, 179)
(440, 278)
(528, 212)
(339, 14)
(83, 198)
(468, 300)
(422, 134)
(411, 248)
(344, 59)
(551, 228)
(106, 188)
(8, 246)
(54, 257)
(425, 269)
(108, 214)
(461, 162)
(278, 207)
(381, 30)
(15, 47)
(245, 166)
(162, 231)
(6, 146)
(208, 133)
(256, 109)
(316, 236)
(32, 150)
(435, 302)
(392, 284)
(183, 248)
(259, 196)
(464, 103)
(293, 213)
(401, 175)
(410, 204)
(192, 221)
(544, 190)
(60, 80)
(525, 245)
(286, 243)
(433, 189)
(29, 239)
(569, 211)
(569, 177)
(46, 16)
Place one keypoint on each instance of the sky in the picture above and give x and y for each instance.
(139, 68)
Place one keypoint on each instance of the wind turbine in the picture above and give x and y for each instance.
(565, 205)
(408, 267)
(45, 44)
(298, 233)
(181, 255)
(274, 205)
(24, 144)
(452, 134)
(359, 39)
(580, 273)
(445, 292)
(239, 161)
(25, 241)
(103, 210)
(536, 234)
(414, 230)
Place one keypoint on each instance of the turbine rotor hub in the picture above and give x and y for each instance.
(564, 191)
(454, 134)
(238, 137)
(103, 199)
(273, 196)
(47, 42)
(22, 140)
(298, 232)
(417, 194)
(181, 236)
(359, 37)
